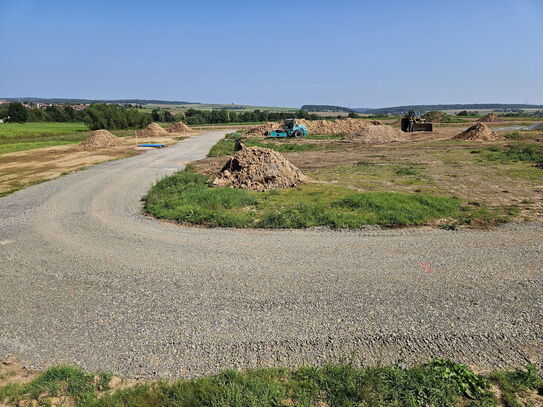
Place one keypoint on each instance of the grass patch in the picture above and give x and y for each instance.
(187, 197)
(519, 382)
(513, 136)
(16, 130)
(518, 152)
(436, 383)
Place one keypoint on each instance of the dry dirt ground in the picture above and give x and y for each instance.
(434, 164)
(24, 168)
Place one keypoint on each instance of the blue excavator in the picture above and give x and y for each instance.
(290, 129)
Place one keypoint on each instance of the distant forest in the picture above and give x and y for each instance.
(326, 108)
(473, 106)
(89, 101)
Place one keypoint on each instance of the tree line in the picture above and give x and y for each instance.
(96, 116)
(112, 116)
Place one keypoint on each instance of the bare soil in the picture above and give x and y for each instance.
(24, 168)
(375, 134)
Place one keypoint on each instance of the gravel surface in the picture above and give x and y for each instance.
(86, 279)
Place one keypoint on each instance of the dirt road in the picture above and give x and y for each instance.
(86, 279)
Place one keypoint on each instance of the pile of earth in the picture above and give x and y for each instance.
(330, 127)
(375, 134)
(99, 139)
(153, 130)
(489, 118)
(259, 169)
(327, 127)
(479, 132)
(179, 127)
(262, 129)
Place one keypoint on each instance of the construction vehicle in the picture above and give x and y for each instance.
(290, 129)
(411, 122)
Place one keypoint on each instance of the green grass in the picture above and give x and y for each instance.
(517, 152)
(20, 137)
(40, 129)
(437, 383)
(28, 136)
(187, 197)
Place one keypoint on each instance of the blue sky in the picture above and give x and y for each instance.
(285, 53)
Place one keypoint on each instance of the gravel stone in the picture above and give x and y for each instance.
(86, 279)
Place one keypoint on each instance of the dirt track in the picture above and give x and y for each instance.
(85, 279)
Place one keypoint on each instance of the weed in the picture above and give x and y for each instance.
(513, 136)
(517, 382)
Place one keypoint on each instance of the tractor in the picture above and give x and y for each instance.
(290, 129)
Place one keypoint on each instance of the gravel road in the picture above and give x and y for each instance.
(86, 279)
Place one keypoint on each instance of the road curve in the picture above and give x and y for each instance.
(86, 279)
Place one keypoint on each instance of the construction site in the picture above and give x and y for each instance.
(271, 204)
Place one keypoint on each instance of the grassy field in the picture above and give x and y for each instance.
(19, 137)
(27, 136)
(436, 383)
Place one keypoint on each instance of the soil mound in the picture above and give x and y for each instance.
(262, 129)
(489, 118)
(327, 127)
(375, 134)
(99, 139)
(330, 127)
(259, 169)
(179, 127)
(479, 132)
(153, 130)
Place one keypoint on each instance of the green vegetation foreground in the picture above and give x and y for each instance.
(437, 383)
(188, 197)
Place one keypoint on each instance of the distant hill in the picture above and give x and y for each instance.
(85, 101)
(327, 108)
(473, 106)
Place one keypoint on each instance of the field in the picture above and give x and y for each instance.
(429, 180)
(36, 152)
(19, 137)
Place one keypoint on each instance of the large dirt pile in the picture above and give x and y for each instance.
(262, 129)
(330, 127)
(179, 127)
(99, 139)
(259, 169)
(489, 118)
(479, 132)
(375, 134)
(153, 130)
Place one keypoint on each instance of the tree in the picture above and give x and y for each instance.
(354, 115)
(17, 113)
(168, 116)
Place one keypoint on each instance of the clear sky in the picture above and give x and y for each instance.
(277, 52)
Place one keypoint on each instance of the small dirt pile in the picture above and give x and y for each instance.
(479, 132)
(375, 134)
(262, 129)
(179, 127)
(99, 139)
(490, 118)
(153, 130)
(259, 169)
